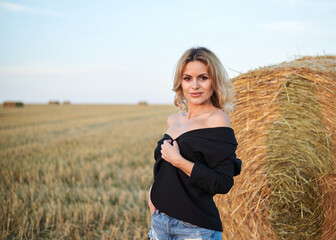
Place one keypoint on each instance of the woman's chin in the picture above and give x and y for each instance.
(198, 102)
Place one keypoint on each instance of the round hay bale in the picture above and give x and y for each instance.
(12, 104)
(285, 124)
(142, 103)
(53, 102)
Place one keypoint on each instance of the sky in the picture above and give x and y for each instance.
(123, 52)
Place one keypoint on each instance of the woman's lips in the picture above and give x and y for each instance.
(195, 94)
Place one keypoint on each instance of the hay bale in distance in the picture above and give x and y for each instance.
(12, 104)
(66, 103)
(285, 124)
(142, 103)
(53, 102)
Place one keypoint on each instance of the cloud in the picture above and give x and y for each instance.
(285, 27)
(22, 8)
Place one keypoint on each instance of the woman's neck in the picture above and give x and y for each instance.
(198, 110)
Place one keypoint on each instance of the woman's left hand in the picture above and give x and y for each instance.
(171, 152)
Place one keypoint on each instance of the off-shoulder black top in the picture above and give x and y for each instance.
(190, 199)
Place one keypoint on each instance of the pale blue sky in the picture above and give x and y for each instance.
(125, 51)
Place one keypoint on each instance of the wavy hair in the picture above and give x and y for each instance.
(223, 88)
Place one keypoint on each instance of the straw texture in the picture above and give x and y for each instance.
(285, 124)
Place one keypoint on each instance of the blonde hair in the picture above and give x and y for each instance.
(223, 94)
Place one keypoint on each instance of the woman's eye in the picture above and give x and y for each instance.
(186, 79)
(204, 78)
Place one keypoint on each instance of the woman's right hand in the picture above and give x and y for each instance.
(152, 208)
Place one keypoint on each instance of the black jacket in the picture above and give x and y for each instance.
(190, 199)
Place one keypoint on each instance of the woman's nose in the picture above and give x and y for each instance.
(195, 84)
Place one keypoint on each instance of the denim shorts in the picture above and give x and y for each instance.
(164, 227)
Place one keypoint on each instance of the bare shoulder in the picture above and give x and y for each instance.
(218, 119)
(172, 119)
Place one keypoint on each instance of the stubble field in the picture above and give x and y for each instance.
(77, 171)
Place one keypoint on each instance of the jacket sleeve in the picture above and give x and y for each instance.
(213, 180)
(215, 174)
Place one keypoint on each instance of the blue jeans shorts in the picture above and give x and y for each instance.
(164, 227)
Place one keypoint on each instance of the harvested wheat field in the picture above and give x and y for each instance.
(285, 124)
(76, 171)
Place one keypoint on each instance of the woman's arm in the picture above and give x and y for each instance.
(151, 206)
(213, 180)
(171, 153)
(217, 179)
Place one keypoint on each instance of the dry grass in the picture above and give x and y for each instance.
(285, 124)
(77, 172)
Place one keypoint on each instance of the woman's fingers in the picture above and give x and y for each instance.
(175, 145)
(163, 155)
(169, 150)
(166, 142)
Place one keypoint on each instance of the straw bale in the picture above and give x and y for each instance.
(285, 124)
(12, 104)
(53, 102)
(142, 103)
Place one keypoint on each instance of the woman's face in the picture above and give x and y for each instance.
(196, 83)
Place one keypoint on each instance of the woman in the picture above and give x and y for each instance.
(196, 158)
